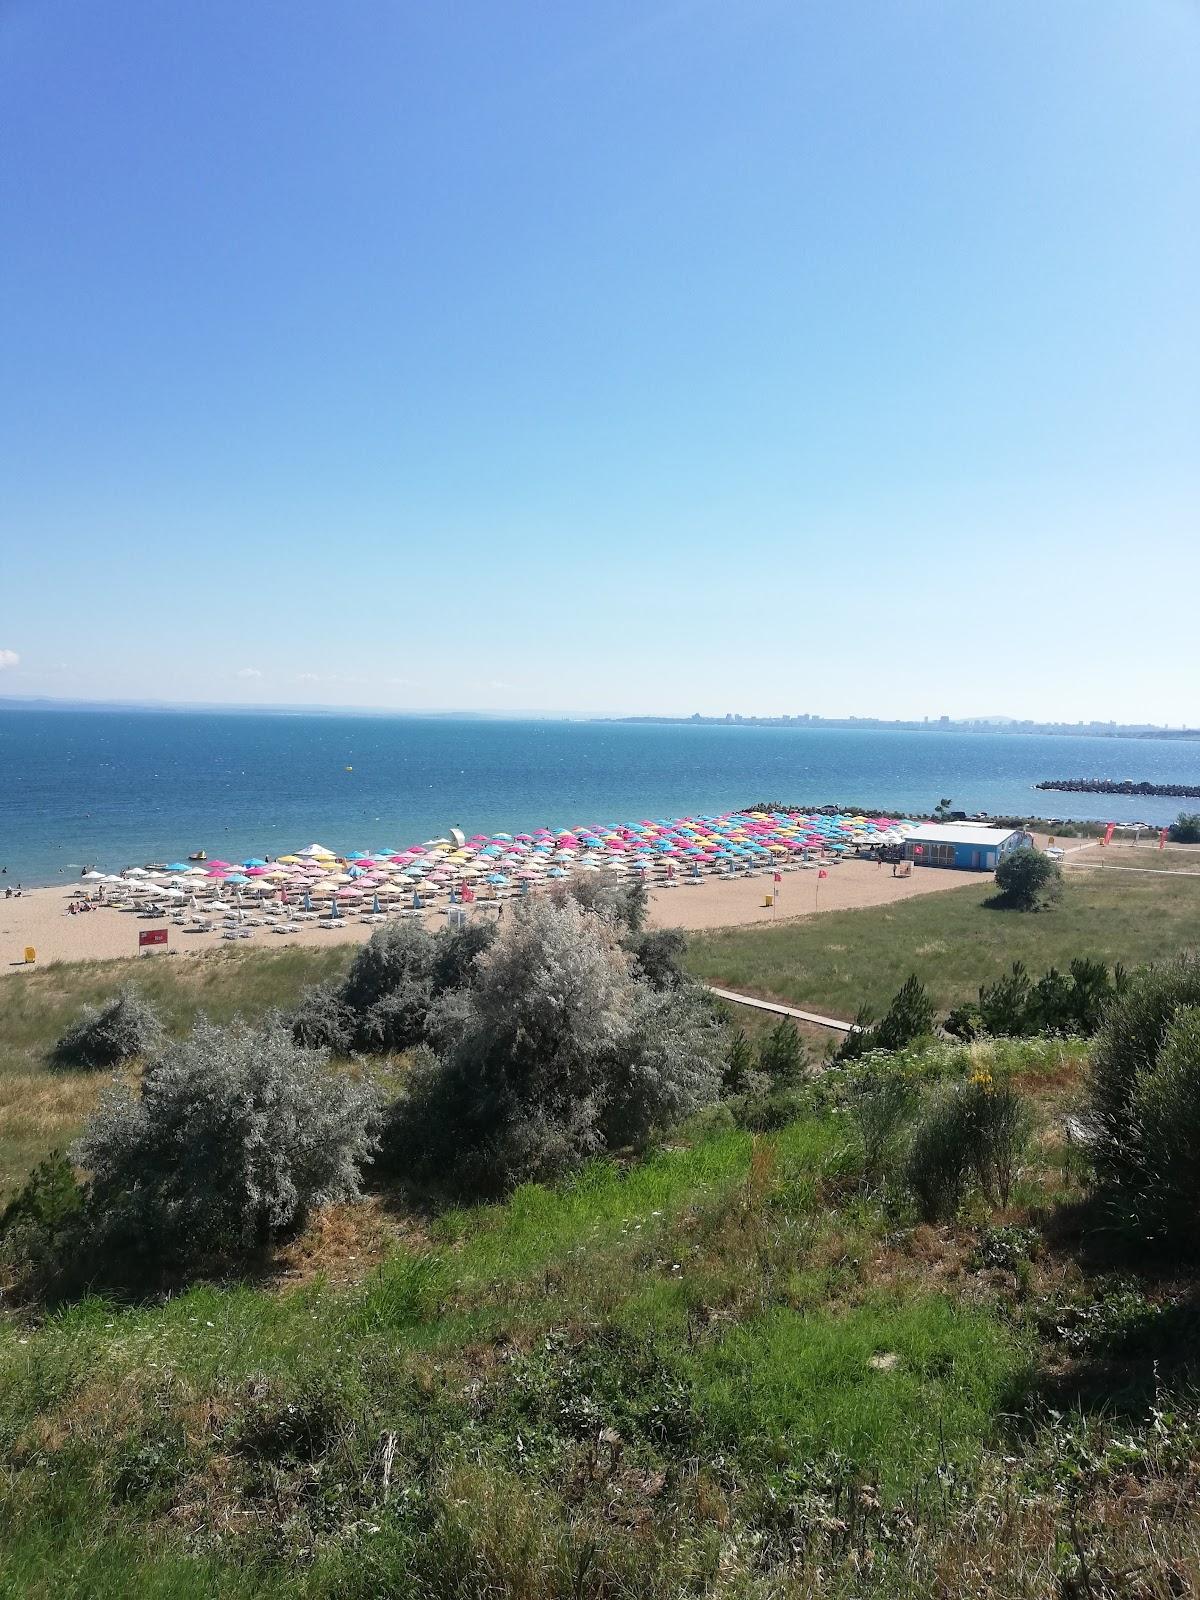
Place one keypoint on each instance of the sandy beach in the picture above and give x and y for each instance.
(39, 919)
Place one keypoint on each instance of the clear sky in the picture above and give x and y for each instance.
(615, 355)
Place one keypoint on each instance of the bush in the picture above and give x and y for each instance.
(1028, 880)
(622, 905)
(1165, 1111)
(39, 1226)
(556, 1053)
(939, 1159)
(126, 1027)
(881, 1104)
(1139, 1070)
(1185, 829)
(322, 1020)
(399, 954)
(231, 1140)
(973, 1129)
(387, 997)
(659, 956)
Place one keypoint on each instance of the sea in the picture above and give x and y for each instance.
(111, 789)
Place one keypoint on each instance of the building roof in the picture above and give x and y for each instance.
(958, 833)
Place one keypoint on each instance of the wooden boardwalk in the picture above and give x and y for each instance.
(834, 1023)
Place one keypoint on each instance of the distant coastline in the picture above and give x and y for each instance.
(1089, 730)
(941, 724)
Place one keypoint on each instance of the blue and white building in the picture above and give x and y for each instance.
(970, 846)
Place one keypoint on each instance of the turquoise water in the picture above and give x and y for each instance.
(116, 788)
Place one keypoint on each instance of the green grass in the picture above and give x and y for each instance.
(728, 1368)
(953, 942)
(787, 1387)
(204, 1441)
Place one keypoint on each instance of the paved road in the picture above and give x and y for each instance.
(783, 1011)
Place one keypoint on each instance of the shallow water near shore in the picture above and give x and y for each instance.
(114, 788)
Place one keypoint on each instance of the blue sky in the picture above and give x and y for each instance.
(625, 355)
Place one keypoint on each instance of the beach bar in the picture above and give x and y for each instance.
(970, 846)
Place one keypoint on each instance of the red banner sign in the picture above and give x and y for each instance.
(151, 936)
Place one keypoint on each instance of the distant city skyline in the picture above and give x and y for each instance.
(993, 723)
(632, 358)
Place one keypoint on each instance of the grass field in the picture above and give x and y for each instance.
(1148, 858)
(732, 1368)
(953, 942)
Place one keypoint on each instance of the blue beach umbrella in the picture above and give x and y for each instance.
(177, 866)
(376, 908)
(254, 861)
(307, 901)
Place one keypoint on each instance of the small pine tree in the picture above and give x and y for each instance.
(1004, 1006)
(909, 1017)
(739, 1062)
(781, 1054)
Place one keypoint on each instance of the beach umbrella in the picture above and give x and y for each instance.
(97, 877)
(376, 908)
(177, 866)
(254, 861)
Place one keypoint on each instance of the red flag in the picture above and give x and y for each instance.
(1162, 838)
(1108, 833)
(822, 873)
(779, 877)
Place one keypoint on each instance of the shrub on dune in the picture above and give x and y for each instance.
(555, 1053)
(126, 1027)
(232, 1138)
